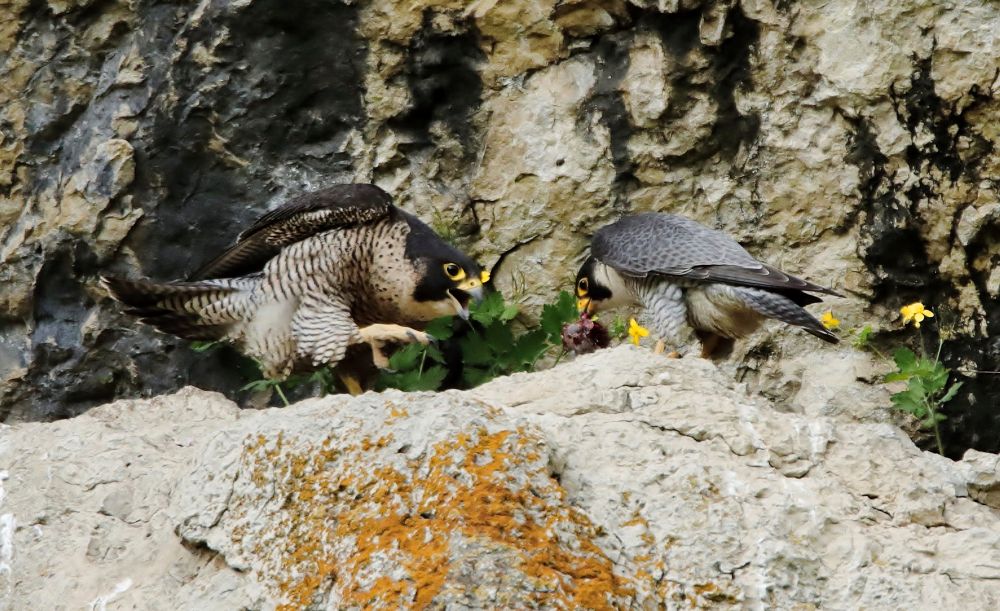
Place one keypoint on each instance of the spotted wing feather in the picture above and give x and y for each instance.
(332, 208)
(670, 245)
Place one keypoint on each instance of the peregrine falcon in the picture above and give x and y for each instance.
(325, 271)
(691, 281)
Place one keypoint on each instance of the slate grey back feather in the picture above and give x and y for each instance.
(670, 245)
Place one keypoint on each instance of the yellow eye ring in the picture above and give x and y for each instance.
(454, 271)
(582, 287)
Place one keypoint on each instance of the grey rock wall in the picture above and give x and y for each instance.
(621, 480)
(850, 142)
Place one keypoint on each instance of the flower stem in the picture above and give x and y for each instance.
(281, 394)
(937, 431)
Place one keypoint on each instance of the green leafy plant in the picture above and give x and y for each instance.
(493, 345)
(205, 346)
(417, 367)
(927, 389)
(863, 338)
(322, 377)
(618, 329)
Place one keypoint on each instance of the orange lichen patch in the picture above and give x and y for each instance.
(394, 532)
(395, 413)
(469, 493)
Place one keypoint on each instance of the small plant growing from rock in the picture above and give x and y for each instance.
(927, 389)
(491, 346)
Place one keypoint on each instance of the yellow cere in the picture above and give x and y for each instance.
(636, 331)
(915, 313)
(484, 276)
(829, 321)
(581, 304)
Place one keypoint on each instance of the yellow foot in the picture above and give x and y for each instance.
(661, 347)
(379, 335)
(352, 384)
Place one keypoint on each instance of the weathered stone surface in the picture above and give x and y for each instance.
(622, 477)
(852, 143)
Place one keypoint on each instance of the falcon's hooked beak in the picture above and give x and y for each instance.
(470, 289)
(585, 305)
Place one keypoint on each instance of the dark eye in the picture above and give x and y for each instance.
(454, 271)
(582, 287)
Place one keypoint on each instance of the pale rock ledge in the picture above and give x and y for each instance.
(619, 480)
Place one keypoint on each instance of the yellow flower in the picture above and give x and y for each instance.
(829, 321)
(636, 331)
(915, 313)
(484, 276)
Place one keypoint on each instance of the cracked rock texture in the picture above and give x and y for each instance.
(620, 480)
(850, 142)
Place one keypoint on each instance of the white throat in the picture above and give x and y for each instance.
(621, 291)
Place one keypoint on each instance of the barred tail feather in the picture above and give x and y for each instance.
(192, 310)
(780, 307)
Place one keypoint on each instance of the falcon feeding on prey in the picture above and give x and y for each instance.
(691, 280)
(324, 271)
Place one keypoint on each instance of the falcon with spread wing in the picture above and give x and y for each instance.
(691, 281)
(325, 271)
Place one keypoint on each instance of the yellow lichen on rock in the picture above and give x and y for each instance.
(372, 526)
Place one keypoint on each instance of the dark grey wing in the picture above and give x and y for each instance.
(766, 277)
(336, 207)
(669, 245)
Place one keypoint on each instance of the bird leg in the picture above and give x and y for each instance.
(378, 335)
(351, 383)
(710, 342)
(661, 347)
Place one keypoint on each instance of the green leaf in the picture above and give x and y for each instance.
(948, 396)
(441, 328)
(489, 309)
(474, 376)
(434, 353)
(863, 338)
(475, 350)
(896, 377)
(554, 316)
(259, 385)
(509, 312)
(935, 380)
(405, 381)
(527, 350)
(931, 420)
(201, 346)
(906, 361)
(406, 358)
(916, 388)
(618, 328)
(323, 377)
(430, 379)
(499, 337)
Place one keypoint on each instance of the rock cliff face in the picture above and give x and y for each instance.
(850, 142)
(622, 480)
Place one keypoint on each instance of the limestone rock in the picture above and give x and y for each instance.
(618, 479)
